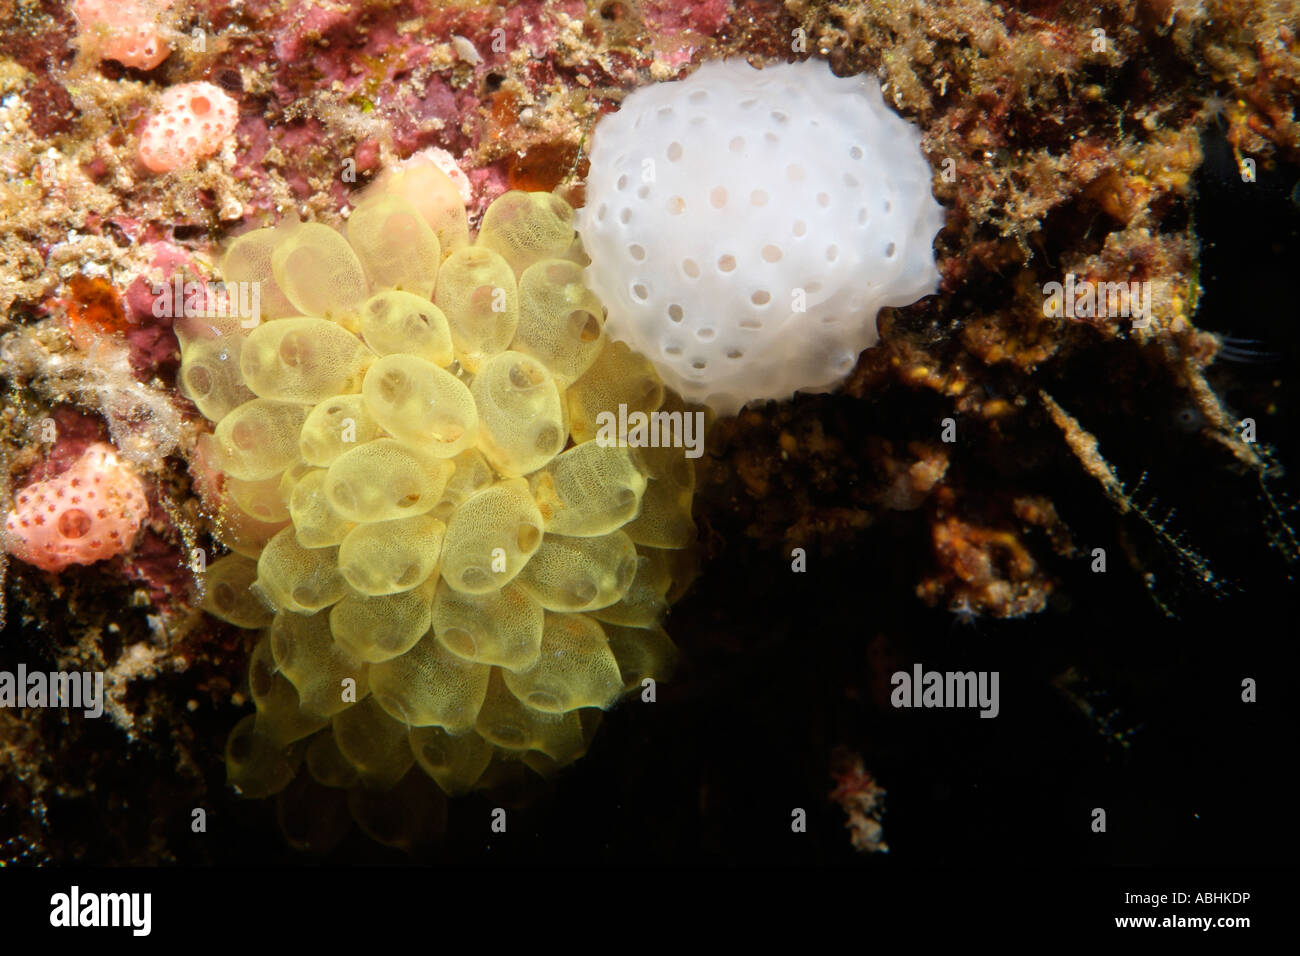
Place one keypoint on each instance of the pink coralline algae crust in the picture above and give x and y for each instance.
(123, 30)
(673, 16)
(91, 512)
(192, 121)
(158, 563)
(152, 341)
(76, 431)
(373, 62)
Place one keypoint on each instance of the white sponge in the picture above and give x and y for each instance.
(746, 226)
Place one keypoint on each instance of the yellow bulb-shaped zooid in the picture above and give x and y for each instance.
(478, 294)
(338, 424)
(421, 405)
(328, 679)
(373, 742)
(298, 579)
(226, 593)
(501, 628)
(383, 480)
(472, 475)
(588, 490)
(580, 574)
(646, 599)
(491, 537)
(641, 652)
(377, 628)
(618, 377)
(454, 761)
(320, 274)
(429, 686)
(261, 499)
(326, 763)
(575, 668)
(399, 322)
(315, 522)
(430, 192)
(258, 439)
(521, 423)
(388, 557)
(210, 376)
(508, 723)
(398, 249)
(247, 260)
(302, 360)
(280, 716)
(665, 517)
(257, 766)
(525, 227)
(561, 321)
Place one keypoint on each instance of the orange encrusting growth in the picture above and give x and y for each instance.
(94, 308)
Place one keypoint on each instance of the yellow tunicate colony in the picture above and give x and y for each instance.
(453, 574)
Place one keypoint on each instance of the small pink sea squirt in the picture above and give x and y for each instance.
(191, 122)
(123, 30)
(91, 512)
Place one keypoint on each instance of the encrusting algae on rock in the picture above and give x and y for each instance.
(451, 568)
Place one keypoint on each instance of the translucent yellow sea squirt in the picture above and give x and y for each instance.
(455, 576)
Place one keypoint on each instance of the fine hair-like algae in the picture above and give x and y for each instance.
(452, 576)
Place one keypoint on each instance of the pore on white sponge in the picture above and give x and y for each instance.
(745, 226)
